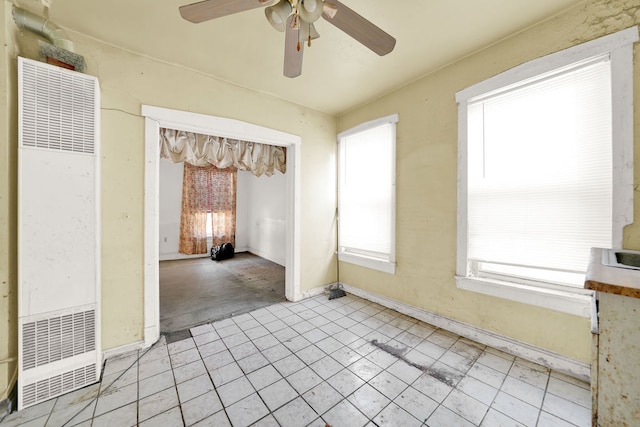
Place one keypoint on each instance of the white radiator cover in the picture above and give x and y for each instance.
(58, 231)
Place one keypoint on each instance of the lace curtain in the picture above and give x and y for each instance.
(202, 150)
(207, 189)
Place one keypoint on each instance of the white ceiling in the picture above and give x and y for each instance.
(338, 73)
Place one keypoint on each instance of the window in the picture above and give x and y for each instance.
(542, 173)
(366, 194)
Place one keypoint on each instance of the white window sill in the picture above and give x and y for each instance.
(578, 303)
(368, 262)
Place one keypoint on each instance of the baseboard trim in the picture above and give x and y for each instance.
(316, 291)
(551, 360)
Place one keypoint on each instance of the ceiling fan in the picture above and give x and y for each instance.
(296, 18)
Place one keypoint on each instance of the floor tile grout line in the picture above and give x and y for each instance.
(100, 392)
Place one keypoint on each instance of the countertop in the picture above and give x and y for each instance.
(612, 280)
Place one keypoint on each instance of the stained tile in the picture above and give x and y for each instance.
(516, 409)
(523, 391)
(382, 358)
(218, 360)
(297, 343)
(235, 339)
(388, 385)
(329, 345)
(345, 356)
(570, 392)
(288, 365)
(322, 397)
(477, 389)
(498, 419)
(180, 346)
(264, 377)
(369, 401)
(226, 374)
(277, 394)
(206, 338)
(247, 411)
(154, 367)
(219, 419)
(326, 367)
(566, 410)
(273, 354)
(444, 417)
(295, 413)
(155, 404)
(201, 407)
(487, 375)
(345, 382)
(71, 415)
(495, 362)
(394, 415)
(310, 354)
(466, 406)
(124, 416)
(303, 380)
(194, 388)
(235, 391)
(548, 420)
(266, 341)
(189, 371)
(531, 376)
(154, 384)
(432, 387)
(117, 398)
(243, 350)
(416, 403)
(252, 363)
(404, 371)
(211, 348)
(365, 369)
(344, 411)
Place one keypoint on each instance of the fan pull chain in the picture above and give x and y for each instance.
(309, 37)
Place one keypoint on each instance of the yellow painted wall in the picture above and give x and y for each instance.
(427, 175)
(8, 191)
(127, 81)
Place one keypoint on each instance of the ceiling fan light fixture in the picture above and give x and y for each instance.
(277, 14)
(310, 10)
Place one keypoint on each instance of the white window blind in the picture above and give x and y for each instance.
(540, 175)
(367, 191)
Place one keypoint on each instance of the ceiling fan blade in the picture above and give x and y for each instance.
(360, 29)
(293, 50)
(211, 9)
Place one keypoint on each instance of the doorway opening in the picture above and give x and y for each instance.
(155, 118)
(196, 290)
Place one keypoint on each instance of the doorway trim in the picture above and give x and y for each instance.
(157, 117)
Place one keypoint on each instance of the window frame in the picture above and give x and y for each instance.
(387, 265)
(619, 47)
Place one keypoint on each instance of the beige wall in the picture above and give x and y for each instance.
(127, 81)
(427, 174)
(8, 237)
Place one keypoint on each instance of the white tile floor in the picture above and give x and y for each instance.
(314, 363)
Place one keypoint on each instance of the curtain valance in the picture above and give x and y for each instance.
(203, 150)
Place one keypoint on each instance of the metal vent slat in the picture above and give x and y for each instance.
(58, 384)
(58, 110)
(50, 340)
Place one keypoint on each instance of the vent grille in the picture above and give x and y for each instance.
(58, 109)
(58, 384)
(50, 340)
